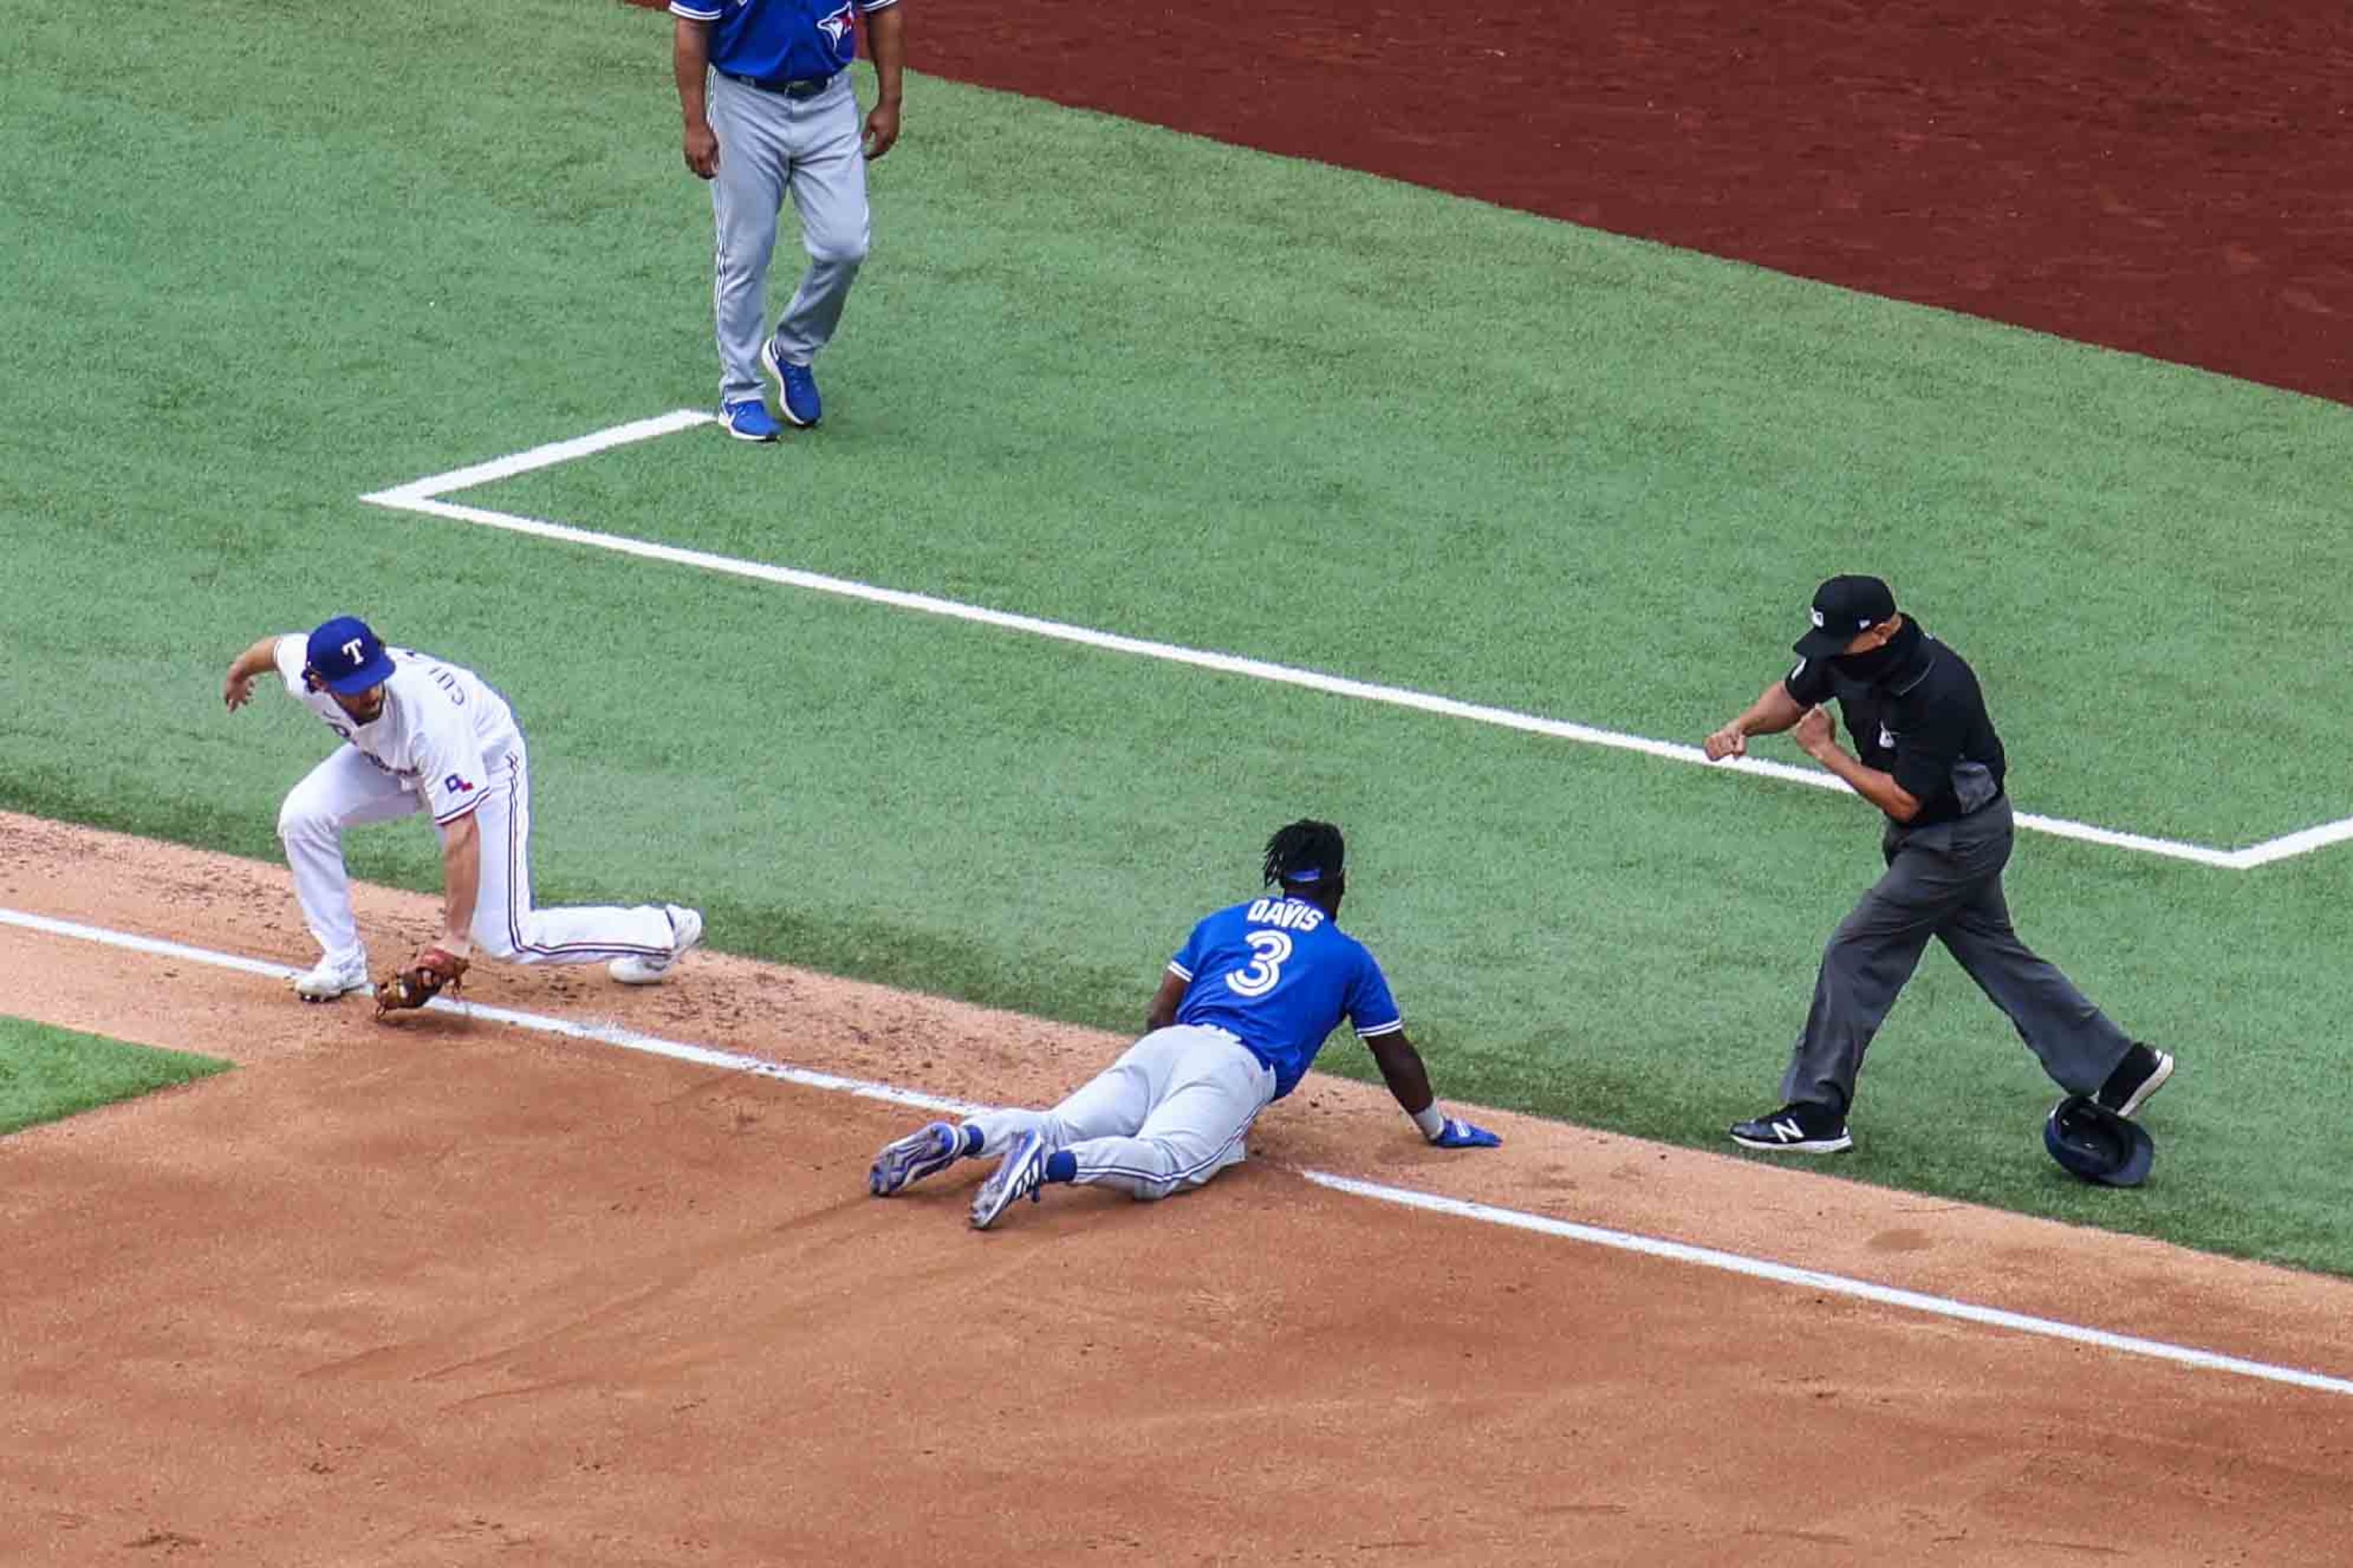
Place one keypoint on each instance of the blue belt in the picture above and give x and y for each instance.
(791, 87)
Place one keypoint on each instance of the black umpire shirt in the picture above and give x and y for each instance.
(1914, 711)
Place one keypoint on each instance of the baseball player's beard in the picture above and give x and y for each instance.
(370, 712)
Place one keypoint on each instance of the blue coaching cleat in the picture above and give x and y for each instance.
(796, 388)
(1018, 1176)
(927, 1151)
(748, 419)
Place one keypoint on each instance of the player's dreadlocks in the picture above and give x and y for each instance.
(1306, 852)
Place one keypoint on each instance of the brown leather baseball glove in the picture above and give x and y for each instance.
(434, 972)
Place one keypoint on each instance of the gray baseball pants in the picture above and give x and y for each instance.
(771, 146)
(1944, 881)
(1171, 1113)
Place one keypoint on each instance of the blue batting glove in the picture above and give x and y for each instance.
(1459, 1134)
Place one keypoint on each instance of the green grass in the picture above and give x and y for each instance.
(47, 1074)
(1103, 373)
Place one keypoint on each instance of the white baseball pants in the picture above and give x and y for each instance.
(349, 788)
(1171, 1113)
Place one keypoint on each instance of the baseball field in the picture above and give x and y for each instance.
(1245, 414)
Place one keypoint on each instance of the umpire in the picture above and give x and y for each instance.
(1930, 760)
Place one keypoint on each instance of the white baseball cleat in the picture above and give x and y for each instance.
(1017, 1177)
(332, 978)
(927, 1151)
(686, 930)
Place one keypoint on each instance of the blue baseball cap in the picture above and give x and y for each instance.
(348, 658)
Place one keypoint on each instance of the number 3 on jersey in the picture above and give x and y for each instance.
(1258, 976)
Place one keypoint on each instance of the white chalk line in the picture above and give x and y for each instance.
(602, 1034)
(424, 497)
(545, 457)
(1833, 1284)
(1458, 1208)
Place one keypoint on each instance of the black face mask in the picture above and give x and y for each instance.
(1879, 663)
(1867, 667)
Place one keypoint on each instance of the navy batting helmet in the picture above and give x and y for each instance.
(2096, 1143)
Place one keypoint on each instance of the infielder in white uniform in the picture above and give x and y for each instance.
(425, 735)
(1240, 1016)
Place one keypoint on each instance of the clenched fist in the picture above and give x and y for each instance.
(1816, 732)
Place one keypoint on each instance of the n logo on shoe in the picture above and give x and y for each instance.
(1787, 1130)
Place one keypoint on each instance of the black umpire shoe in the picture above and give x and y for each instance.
(1805, 1128)
(2141, 1074)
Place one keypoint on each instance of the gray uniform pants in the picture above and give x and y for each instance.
(1944, 881)
(1172, 1112)
(769, 146)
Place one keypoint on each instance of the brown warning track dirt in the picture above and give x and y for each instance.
(2171, 178)
(454, 1292)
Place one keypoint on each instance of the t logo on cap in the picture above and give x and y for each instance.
(347, 657)
(1845, 607)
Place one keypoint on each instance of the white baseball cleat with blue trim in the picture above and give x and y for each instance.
(1018, 1176)
(927, 1151)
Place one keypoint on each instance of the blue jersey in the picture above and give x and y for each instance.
(779, 40)
(1278, 974)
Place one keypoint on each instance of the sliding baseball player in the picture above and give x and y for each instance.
(1241, 1012)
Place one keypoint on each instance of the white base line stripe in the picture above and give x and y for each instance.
(1834, 1284)
(2288, 846)
(1676, 1251)
(545, 457)
(602, 1034)
(422, 497)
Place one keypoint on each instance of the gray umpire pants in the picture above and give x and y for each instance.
(1944, 881)
(772, 146)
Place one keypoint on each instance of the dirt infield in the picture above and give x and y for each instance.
(453, 1292)
(2172, 177)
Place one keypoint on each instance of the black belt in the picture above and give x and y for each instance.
(791, 87)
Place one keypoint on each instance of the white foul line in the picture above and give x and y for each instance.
(545, 457)
(602, 1034)
(2287, 845)
(423, 497)
(1833, 1284)
(1457, 1208)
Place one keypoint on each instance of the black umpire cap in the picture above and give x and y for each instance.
(1844, 607)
